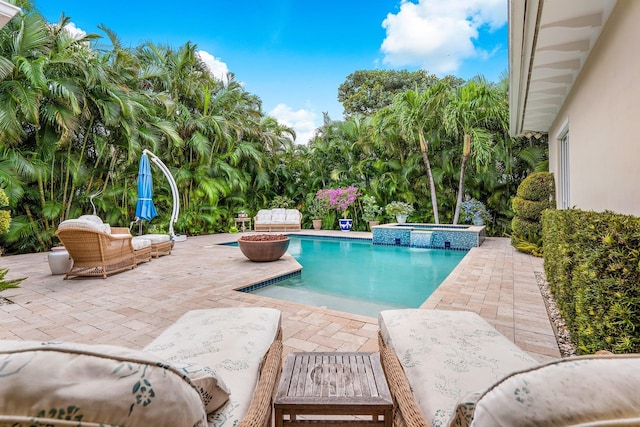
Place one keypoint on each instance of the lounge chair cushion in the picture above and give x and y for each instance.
(140, 242)
(232, 341)
(586, 390)
(53, 384)
(447, 355)
(157, 238)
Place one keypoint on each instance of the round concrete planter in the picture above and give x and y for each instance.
(263, 251)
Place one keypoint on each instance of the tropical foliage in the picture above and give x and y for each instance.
(75, 117)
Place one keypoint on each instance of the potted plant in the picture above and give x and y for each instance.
(317, 210)
(264, 247)
(371, 211)
(474, 211)
(340, 199)
(400, 210)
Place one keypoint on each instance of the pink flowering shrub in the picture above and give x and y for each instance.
(339, 199)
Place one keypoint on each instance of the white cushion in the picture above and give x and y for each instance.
(55, 384)
(278, 219)
(448, 354)
(92, 218)
(156, 238)
(81, 223)
(292, 216)
(139, 242)
(232, 341)
(586, 390)
(279, 211)
(263, 216)
(213, 390)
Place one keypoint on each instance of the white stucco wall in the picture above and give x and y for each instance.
(603, 117)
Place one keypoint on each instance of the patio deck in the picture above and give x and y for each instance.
(133, 307)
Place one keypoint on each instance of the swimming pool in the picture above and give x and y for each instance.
(358, 277)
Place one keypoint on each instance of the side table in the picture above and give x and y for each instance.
(333, 385)
(243, 219)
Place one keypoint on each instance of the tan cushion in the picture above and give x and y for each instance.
(232, 341)
(139, 242)
(586, 390)
(46, 383)
(156, 238)
(448, 354)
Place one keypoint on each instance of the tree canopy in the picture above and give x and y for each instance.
(367, 91)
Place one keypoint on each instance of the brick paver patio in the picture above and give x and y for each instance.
(133, 307)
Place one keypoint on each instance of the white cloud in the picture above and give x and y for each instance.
(437, 35)
(217, 68)
(75, 32)
(302, 121)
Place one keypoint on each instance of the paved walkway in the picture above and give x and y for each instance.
(132, 308)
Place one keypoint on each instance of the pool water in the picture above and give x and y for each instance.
(358, 277)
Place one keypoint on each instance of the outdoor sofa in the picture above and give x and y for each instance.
(451, 368)
(213, 367)
(278, 219)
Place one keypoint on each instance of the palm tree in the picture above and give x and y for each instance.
(473, 113)
(416, 114)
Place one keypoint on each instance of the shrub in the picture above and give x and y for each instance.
(282, 202)
(370, 209)
(529, 209)
(534, 195)
(5, 216)
(538, 186)
(592, 263)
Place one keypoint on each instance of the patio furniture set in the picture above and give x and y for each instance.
(97, 249)
(221, 367)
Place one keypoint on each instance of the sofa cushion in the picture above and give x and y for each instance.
(585, 390)
(292, 216)
(54, 383)
(263, 216)
(448, 354)
(232, 341)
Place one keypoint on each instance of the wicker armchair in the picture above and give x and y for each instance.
(96, 253)
(94, 250)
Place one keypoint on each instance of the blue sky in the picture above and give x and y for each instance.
(294, 54)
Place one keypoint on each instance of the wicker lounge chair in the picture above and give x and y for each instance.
(451, 368)
(213, 367)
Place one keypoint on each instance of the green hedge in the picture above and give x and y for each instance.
(592, 263)
(538, 186)
(526, 229)
(529, 209)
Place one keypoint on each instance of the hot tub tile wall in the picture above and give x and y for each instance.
(457, 239)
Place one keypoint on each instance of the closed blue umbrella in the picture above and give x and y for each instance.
(145, 210)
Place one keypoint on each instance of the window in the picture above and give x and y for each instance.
(563, 171)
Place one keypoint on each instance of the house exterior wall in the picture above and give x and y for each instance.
(602, 116)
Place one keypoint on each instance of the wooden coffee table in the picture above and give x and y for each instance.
(333, 385)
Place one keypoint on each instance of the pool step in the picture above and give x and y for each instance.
(420, 239)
